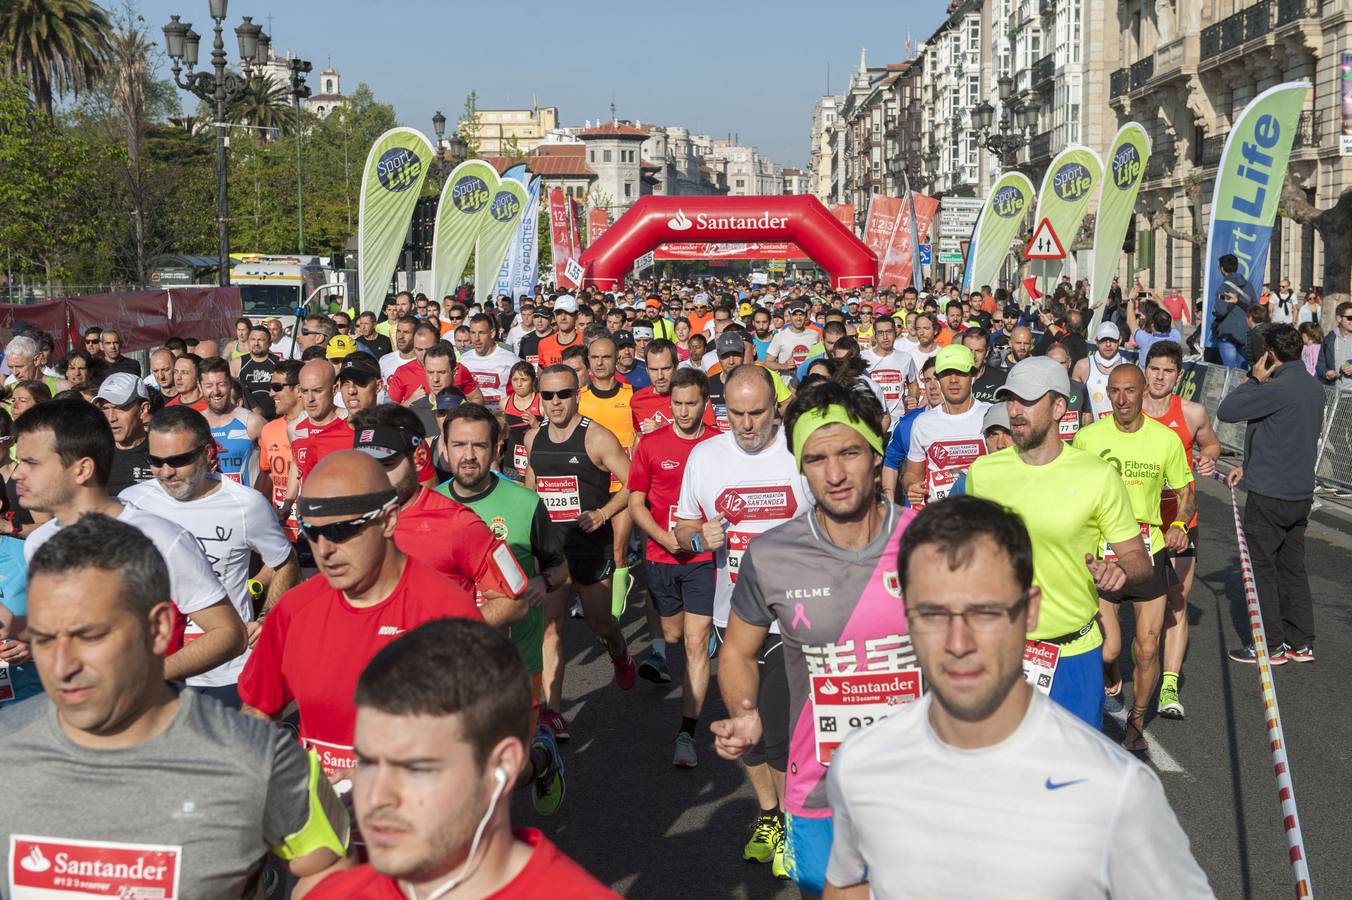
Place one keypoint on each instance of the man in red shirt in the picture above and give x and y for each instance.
(651, 406)
(409, 381)
(443, 732)
(566, 332)
(441, 532)
(680, 584)
(322, 431)
(321, 634)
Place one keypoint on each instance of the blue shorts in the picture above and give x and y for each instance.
(682, 587)
(807, 850)
(1079, 686)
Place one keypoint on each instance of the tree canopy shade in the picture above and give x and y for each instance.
(59, 46)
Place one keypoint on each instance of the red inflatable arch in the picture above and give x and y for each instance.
(800, 218)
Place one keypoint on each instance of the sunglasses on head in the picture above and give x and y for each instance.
(565, 394)
(276, 386)
(338, 532)
(173, 462)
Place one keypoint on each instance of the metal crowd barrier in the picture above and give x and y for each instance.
(1208, 384)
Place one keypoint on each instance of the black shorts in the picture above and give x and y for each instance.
(587, 572)
(676, 587)
(1161, 578)
(772, 701)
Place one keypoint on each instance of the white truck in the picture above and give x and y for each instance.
(280, 285)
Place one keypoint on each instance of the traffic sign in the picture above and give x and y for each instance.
(1045, 244)
(948, 257)
(926, 254)
(644, 262)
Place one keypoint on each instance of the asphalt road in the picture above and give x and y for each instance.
(652, 831)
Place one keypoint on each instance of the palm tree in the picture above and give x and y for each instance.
(58, 45)
(266, 105)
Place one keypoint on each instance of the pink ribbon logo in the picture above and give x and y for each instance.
(799, 616)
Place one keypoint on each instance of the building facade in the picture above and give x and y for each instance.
(821, 159)
(500, 131)
(1187, 72)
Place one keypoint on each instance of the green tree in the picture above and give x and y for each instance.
(57, 45)
(469, 123)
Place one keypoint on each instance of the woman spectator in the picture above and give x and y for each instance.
(1313, 308)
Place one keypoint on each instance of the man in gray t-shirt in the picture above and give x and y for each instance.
(126, 785)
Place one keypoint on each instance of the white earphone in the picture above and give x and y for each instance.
(501, 777)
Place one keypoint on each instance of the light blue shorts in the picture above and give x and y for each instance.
(807, 851)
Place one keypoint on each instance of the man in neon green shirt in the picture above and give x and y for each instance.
(1072, 503)
(1148, 455)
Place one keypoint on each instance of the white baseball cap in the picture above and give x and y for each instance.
(565, 303)
(1107, 331)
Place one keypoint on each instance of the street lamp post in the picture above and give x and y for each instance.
(1006, 138)
(299, 91)
(219, 86)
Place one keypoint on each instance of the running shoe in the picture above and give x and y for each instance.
(685, 757)
(779, 867)
(1299, 654)
(766, 836)
(547, 790)
(626, 673)
(1170, 707)
(557, 724)
(653, 667)
(1247, 654)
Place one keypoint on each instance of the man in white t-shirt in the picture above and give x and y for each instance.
(1050, 807)
(402, 354)
(229, 520)
(892, 369)
(790, 346)
(49, 435)
(489, 363)
(947, 438)
(735, 486)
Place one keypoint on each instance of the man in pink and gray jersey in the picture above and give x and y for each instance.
(828, 579)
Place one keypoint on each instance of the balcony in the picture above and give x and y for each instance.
(1160, 165)
(1043, 70)
(1119, 83)
(1142, 71)
(1289, 11)
(1212, 146)
(1040, 147)
(1254, 22)
(1178, 57)
(1211, 41)
(1309, 129)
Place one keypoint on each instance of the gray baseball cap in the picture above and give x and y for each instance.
(729, 342)
(997, 415)
(121, 388)
(1031, 378)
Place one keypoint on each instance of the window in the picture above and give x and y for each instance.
(973, 93)
(591, 156)
(628, 189)
(741, 182)
(605, 156)
(328, 86)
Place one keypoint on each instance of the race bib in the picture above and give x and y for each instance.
(671, 518)
(842, 703)
(948, 460)
(47, 868)
(191, 632)
(1039, 664)
(1109, 555)
(6, 682)
(721, 417)
(1069, 426)
(757, 503)
(940, 483)
(889, 382)
(336, 760)
(520, 459)
(737, 542)
(560, 496)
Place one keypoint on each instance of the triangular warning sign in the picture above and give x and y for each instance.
(1045, 244)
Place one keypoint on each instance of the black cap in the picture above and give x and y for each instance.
(384, 441)
(447, 399)
(359, 367)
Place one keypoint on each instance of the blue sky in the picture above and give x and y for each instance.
(748, 67)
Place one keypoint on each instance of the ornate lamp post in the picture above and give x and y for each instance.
(1007, 137)
(219, 86)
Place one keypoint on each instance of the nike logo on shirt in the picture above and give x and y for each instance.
(1057, 785)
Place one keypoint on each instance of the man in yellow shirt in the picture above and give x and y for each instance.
(1148, 455)
(606, 401)
(1072, 503)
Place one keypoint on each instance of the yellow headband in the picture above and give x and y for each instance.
(816, 418)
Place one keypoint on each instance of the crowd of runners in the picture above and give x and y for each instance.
(895, 529)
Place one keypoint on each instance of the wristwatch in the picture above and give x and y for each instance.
(696, 543)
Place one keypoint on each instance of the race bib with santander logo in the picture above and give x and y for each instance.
(738, 541)
(948, 460)
(757, 503)
(336, 760)
(560, 495)
(888, 381)
(50, 868)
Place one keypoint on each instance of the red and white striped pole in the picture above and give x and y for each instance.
(1295, 841)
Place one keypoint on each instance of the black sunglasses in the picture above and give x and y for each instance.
(565, 394)
(308, 333)
(173, 462)
(338, 532)
(276, 386)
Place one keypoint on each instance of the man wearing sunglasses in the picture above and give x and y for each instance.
(320, 635)
(230, 521)
(447, 535)
(570, 464)
(65, 454)
(274, 444)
